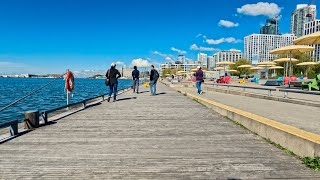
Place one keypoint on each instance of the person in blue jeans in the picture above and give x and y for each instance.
(113, 74)
(154, 76)
(135, 77)
(199, 79)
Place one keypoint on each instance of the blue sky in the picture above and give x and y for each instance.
(49, 36)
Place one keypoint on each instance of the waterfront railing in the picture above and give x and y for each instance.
(34, 119)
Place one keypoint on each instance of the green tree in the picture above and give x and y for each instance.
(241, 71)
(296, 70)
(174, 71)
(166, 72)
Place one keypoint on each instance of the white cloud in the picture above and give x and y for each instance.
(168, 59)
(120, 63)
(223, 40)
(228, 24)
(140, 62)
(234, 49)
(194, 47)
(161, 54)
(261, 8)
(201, 35)
(181, 52)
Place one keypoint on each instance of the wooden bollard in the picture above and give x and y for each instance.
(31, 119)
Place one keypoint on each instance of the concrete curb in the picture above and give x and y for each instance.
(302, 143)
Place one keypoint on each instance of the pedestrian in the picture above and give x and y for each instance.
(199, 79)
(135, 77)
(112, 76)
(154, 76)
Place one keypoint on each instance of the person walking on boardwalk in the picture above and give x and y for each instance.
(154, 76)
(135, 77)
(199, 79)
(112, 76)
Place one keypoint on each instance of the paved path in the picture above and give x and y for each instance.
(300, 116)
(168, 136)
(295, 96)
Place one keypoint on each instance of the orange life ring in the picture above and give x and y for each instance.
(69, 81)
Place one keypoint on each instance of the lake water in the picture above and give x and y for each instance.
(48, 98)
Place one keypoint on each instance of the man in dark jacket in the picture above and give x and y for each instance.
(113, 74)
(135, 77)
(199, 79)
(154, 76)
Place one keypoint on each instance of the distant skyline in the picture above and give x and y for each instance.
(38, 36)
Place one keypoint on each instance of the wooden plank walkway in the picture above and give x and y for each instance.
(168, 136)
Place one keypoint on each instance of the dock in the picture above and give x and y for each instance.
(168, 136)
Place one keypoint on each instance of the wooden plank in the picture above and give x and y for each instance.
(168, 136)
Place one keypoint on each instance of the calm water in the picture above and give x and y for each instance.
(51, 97)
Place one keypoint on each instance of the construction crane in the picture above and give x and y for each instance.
(310, 15)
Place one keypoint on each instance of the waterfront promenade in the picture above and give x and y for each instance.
(297, 115)
(168, 136)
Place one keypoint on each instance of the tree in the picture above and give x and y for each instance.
(241, 71)
(166, 72)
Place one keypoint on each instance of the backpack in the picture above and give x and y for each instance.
(107, 81)
(156, 75)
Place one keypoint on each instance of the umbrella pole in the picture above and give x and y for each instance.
(224, 76)
(290, 70)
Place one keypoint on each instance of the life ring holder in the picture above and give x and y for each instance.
(69, 81)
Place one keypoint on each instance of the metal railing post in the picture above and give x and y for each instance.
(14, 129)
(44, 116)
(84, 104)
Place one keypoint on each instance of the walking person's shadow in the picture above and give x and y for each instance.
(125, 99)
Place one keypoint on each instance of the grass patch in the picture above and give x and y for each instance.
(312, 163)
(287, 151)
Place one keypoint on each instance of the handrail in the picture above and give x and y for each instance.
(238, 86)
(44, 114)
(13, 126)
(30, 94)
(286, 91)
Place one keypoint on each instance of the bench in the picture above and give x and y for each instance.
(13, 126)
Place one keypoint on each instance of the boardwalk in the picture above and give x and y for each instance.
(168, 136)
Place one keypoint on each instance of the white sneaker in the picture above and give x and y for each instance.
(200, 92)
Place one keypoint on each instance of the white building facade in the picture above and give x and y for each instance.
(303, 14)
(231, 55)
(257, 47)
(309, 28)
(182, 59)
(202, 59)
(210, 61)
